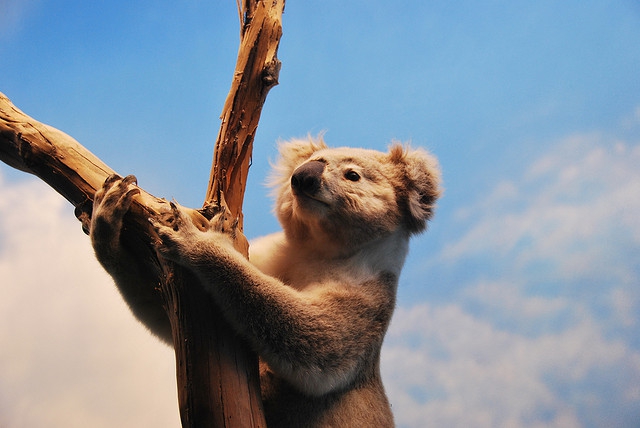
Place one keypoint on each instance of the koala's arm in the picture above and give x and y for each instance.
(132, 274)
(319, 340)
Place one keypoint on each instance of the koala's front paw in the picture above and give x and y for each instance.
(223, 222)
(177, 235)
(227, 230)
(110, 204)
(186, 237)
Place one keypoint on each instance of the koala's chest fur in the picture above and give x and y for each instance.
(307, 268)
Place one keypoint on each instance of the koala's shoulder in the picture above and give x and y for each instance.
(268, 252)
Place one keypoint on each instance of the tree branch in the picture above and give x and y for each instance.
(61, 162)
(257, 70)
(217, 353)
(217, 374)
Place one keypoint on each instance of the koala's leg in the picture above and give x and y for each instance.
(132, 274)
(319, 340)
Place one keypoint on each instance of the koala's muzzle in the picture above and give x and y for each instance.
(307, 177)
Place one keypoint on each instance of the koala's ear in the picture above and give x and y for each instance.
(292, 154)
(418, 184)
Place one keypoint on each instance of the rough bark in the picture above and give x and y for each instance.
(60, 161)
(256, 72)
(215, 352)
(218, 384)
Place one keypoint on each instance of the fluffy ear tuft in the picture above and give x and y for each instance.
(418, 176)
(292, 154)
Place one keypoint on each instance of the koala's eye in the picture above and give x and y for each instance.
(352, 175)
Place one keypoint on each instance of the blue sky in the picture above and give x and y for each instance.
(520, 305)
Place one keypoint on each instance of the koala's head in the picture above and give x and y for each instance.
(351, 196)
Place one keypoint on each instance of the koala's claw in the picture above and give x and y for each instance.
(174, 229)
(110, 204)
(111, 179)
(130, 179)
(116, 189)
(177, 215)
(181, 230)
(220, 222)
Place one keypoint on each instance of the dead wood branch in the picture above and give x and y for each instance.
(256, 72)
(60, 161)
(217, 374)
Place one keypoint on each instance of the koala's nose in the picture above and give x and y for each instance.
(306, 178)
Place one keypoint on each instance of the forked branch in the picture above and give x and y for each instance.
(217, 375)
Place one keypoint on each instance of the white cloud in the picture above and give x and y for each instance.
(574, 204)
(545, 335)
(71, 355)
(506, 297)
(444, 367)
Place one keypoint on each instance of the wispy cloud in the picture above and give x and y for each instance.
(446, 367)
(545, 336)
(573, 205)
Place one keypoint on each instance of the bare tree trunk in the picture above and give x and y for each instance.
(218, 383)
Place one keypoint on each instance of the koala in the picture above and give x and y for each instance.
(314, 300)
